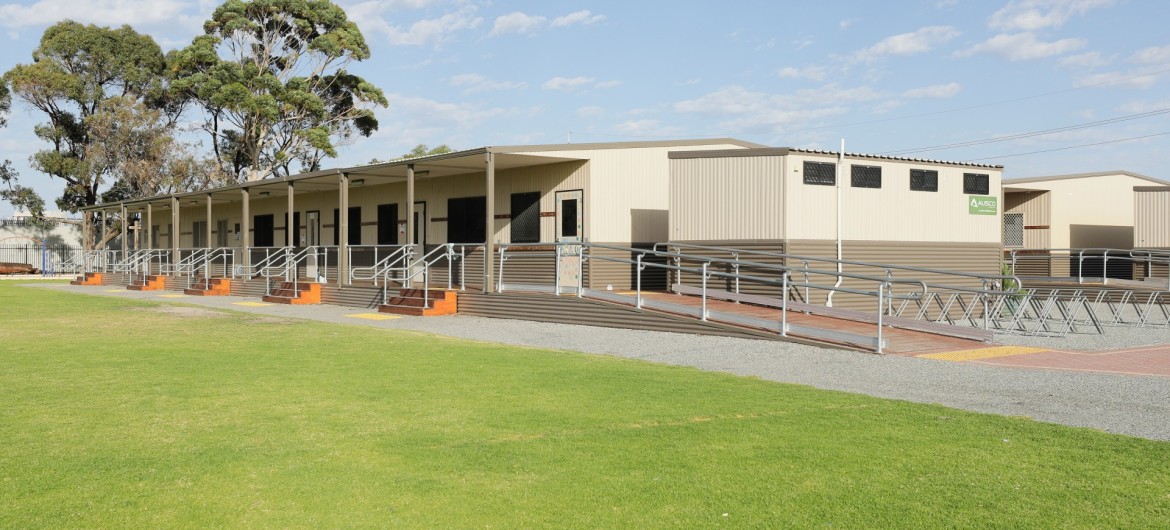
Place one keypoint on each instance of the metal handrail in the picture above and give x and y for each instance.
(985, 278)
(402, 254)
(423, 266)
(187, 263)
(1148, 256)
(288, 268)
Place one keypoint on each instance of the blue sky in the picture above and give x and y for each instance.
(885, 76)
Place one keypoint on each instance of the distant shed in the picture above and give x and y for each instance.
(1065, 214)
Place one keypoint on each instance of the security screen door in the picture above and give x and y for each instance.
(570, 229)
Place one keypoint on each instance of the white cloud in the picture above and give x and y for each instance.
(1137, 107)
(427, 31)
(646, 128)
(844, 24)
(566, 83)
(1085, 60)
(933, 91)
(1022, 47)
(1117, 79)
(886, 106)
(517, 23)
(525, 24)
(815, 73)
(101, 12)
(477, 83)
(608, 84)
(1152, 55)
(919, 41)
(750, 110)
(583, 17)
(590, 112)
(1031, 15)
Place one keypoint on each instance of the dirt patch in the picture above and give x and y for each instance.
(183, 311)
(270, 320)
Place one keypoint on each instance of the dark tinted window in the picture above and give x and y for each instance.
(466, 220)
(923, 180)
(262, 230)
(525, 224)
(387, 224)
(865, 176)
(820, 173)
(976, 184)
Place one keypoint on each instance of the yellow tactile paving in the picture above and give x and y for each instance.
(115, 290)
(374, 316)
(982, 353)
(172, 296)
(251, 304)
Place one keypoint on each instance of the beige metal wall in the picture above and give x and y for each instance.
(1036, 207)
(547, 179)
(1091, 211)
(711, 198)
(628, 196)
(980, 258)
(892, 213)
(1151, 218)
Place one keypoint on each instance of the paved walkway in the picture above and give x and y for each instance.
(1083, 394)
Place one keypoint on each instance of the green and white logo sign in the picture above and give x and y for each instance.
(982, 205)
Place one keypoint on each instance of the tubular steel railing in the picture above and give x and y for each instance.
(392, 259)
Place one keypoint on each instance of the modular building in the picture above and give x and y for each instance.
(612, 193)
(1049, 222)
(799, 202)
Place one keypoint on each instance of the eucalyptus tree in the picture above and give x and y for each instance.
(271, 78)
(75, 69)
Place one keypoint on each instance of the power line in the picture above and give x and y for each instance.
(1069, 147)
(1018, 136)
(902, 117)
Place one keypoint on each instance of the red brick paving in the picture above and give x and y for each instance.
(1146, 360)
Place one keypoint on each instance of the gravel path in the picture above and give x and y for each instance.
(1126, 404)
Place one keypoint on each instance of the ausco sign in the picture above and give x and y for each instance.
(981, 205)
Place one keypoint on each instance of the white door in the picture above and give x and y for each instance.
(312, 239)
(570, 227)
(420, 223)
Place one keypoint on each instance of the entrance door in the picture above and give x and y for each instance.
(313, 228)
(312, 238)
(570, 228)
(420, 222)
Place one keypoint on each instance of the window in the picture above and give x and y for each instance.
(355, 226)
(1013, 229)
(388, 224)
(923, 180)
(263, 227)
(525, 223)
(865, 176)
(976, 184)
(820, 173)
(466, 220)
(199, 234)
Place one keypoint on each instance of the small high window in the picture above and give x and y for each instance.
(865, 176)
(923, 180)
(820, 173)
(976, 184)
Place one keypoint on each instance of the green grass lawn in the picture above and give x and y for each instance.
(116, 413)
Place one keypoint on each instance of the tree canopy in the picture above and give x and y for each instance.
(271, 78)
(74, 70)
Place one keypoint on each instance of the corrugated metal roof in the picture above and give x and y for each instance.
(899, 158)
